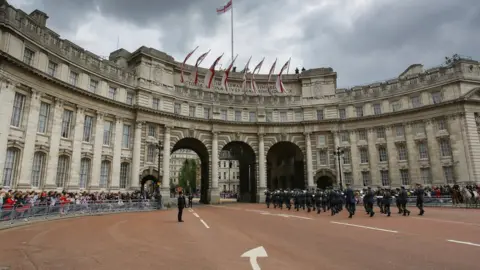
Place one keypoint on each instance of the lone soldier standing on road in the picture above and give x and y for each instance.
(181, 204)
(190, 200)
(350, 201)
(420, 199)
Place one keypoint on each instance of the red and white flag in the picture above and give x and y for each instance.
(256, 70)
(279, 85)
(183, 64)
(245, 70)
(199, 61)
(211, 73)
(272, 69)
(226, 73)
(225, 8)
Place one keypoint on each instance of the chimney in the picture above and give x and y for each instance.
(40, 17)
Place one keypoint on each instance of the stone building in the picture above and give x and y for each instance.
(75, 121)
(177, 160)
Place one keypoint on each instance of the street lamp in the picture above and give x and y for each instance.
(339, 154)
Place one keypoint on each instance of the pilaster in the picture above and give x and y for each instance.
(7, 96)
(97, 152)
(434, 155)
(308, 142)
(261, 169)
(461, 165)
(472, 138)
(214, 191)
(117, 155)
(355, 161)
(54, 145)
(137, 144)
(373, 157)
(166, 158)
(393, 172)
(25, 178)
(77, 149)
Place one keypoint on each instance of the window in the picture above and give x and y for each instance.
(345, 136)
(43, 117)
(17, 112)
(155, 103)
(124, 174)
(238, 116)
(269, 116)
(283, 116)
(385, 178)
(396, 105)
(342, 114)
(448, 173)
(63, 171)
(38, 169)
(322, 140)
(177, 109)
(129, 98)
(405, 177)
(28, 56)
(441, 124)
(298, 116)
(425, 175)
(126, 136)
(362, 134)
(252, 116)
(323, 158)
(67, 123)
(107, 133)
(445, 149)
(381, 133)
(400, 131)
(382, 154)
(10, 167)
(437, 97)
(366, 178)
(52, 68)
(73, 79)
(93, 86)
(85, 167)
(348, 178)
(104, 174)
(191, 111)
(416, 102)
(402, 152)
(347, 156)
(319, 114)
(422, 150)
(223, 115)
(152, 131)
(206, 113)
(88, 128)
(151, 153)
(363, 155)
(359, 111)
(112, 93)
(377, 109)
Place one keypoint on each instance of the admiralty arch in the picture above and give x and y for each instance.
(72, 120)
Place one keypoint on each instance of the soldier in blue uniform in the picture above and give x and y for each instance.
(324, 200)
(403, 200)
(387, 201)
(268, 198)
(397, 201)
(420, 198)
(318, 201)
(370, 198)
(350, 201)
(286, 199)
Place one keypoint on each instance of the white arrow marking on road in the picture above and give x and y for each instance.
(253, 254)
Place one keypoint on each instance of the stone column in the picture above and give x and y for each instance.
(355, 161)
(24, 181)
(393, 172)
(165, 188)
(373, 158)
(54, 145)
(460, 161)
(261, 170)
(309, 161)
(7, 96)
(76, 158)
(336, 144)
(97, 152)
(214, 191)
(436, 168)
(117, 154)
(412, 156)
(137, 145)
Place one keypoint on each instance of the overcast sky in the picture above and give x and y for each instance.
(362, 40)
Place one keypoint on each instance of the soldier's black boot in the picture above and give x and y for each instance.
(372, 214)
(422, 212)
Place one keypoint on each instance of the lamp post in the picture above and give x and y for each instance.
(339, 154)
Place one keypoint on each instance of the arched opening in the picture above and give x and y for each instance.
(149, 186)
(196, 153)
(325, 179)
(242, 159)
(285, 166)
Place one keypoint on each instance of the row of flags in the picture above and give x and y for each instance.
(210, 75)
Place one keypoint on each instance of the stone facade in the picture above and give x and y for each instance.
(76, 121)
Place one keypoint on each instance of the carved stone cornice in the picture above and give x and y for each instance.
(81, 109)
(59, 103)
(100, 115)
(36, 95)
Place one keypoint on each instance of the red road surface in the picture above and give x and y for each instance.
(214, 237)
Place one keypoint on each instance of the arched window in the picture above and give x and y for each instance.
(38, 169)
(105, 174)
(85, 172)
(11, 166)
(63, 171)
(124, 174)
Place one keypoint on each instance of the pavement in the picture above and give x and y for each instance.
(216, 237)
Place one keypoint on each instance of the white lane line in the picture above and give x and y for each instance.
(464, 243)
(448, 221)
(363, 227)
(204, 223)
(195, 214)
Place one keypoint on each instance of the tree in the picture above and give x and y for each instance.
(187, 178)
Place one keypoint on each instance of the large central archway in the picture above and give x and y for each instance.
(201, 150)
(285, 166)
(246, 157)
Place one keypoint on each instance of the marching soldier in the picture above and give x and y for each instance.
(308, 200)
(397, 201)
(369, 200)
(286, 199)
(296, 200)
(318, 201)
(324, 200)
(268, 198)
(350, 201)
(380, 199)
(420, 198)
(403, 200)
(386, 201)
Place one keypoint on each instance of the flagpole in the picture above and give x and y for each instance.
(231, 25)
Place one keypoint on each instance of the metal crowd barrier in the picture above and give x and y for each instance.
(28, 213)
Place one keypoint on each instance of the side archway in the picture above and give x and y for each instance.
(285, 166)
(325, 178)
(244, 153)
(201, 150)
(149, 183)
